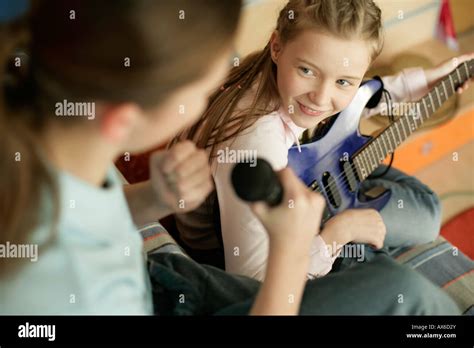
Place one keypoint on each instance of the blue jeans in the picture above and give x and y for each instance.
(378, 287)
(412, 216)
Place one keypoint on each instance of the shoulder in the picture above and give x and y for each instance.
(266, 139)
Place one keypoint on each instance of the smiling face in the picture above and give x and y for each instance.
(318, 74)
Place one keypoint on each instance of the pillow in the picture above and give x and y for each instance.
(157, 239)
(446, 266)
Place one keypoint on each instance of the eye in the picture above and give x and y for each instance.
(343, 83)
(306, 71)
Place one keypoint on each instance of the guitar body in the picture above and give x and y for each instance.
(325, 163)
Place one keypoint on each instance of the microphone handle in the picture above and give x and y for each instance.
(275, 197)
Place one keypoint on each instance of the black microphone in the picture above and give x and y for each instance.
(257, 183)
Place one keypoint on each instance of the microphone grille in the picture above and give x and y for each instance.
(253, 183)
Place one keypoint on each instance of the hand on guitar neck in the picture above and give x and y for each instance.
(434, 75)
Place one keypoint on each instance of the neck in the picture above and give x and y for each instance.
(84, 157)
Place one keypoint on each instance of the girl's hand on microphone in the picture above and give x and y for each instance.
(292, 224)
(291, 227)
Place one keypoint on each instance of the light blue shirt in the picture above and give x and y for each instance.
(95, 264)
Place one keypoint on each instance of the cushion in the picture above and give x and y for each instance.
(446, 266)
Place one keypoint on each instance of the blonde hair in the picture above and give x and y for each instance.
(346, 19)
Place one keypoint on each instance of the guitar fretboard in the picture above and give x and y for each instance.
(377, 149)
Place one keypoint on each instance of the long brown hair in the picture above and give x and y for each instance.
(342, 18)
(87, 50)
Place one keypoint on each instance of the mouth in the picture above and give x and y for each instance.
(310, 112)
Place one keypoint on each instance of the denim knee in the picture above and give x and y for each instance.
(421, 295)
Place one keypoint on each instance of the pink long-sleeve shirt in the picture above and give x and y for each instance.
(270, 137)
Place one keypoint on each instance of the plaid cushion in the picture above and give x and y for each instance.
(446, 266)
(157, 239)
(439, 261)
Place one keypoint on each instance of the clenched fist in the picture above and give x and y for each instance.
(181, 176)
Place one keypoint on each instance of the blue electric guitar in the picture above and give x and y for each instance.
(336, 164)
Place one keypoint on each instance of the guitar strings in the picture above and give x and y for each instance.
(343, 180)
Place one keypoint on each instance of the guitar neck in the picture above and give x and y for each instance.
(377, 149)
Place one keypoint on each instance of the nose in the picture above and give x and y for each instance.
(321, 96)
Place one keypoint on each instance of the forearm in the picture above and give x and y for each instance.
(325, 248)
(412, 214)
(335, 239)
(144, 204)
(408, 85)
(282, 289)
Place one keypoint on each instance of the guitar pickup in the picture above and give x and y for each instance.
(331, 189)
(350, 174)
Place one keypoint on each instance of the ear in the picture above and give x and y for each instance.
(275, 46)
(117, 122)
